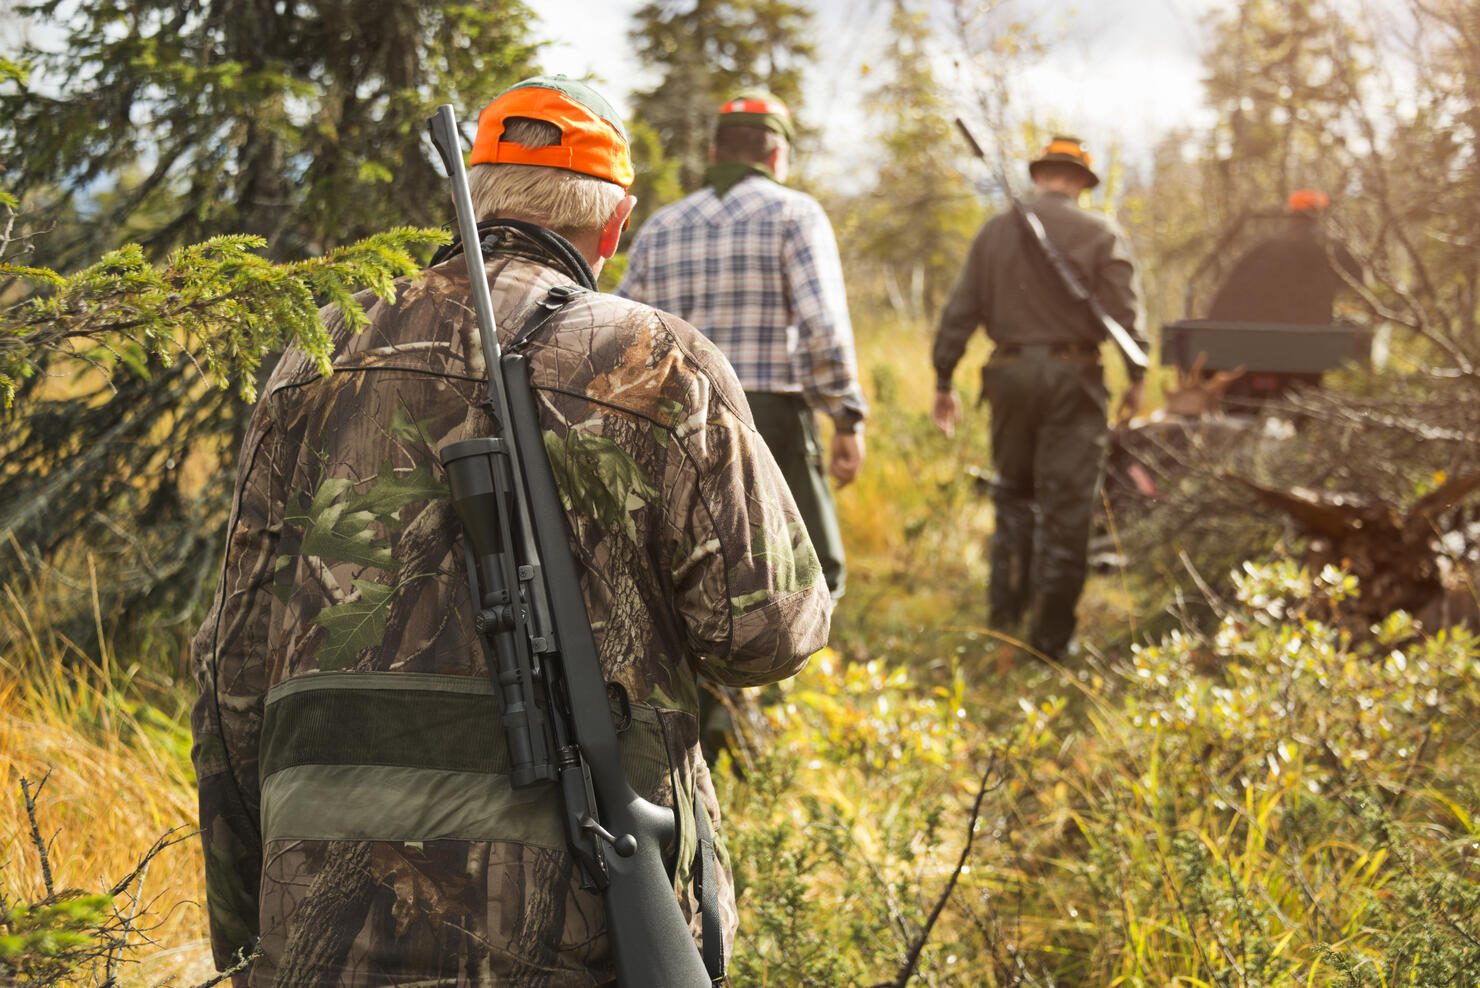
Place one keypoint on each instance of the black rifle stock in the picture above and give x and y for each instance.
(1132, 350)
(533, 619)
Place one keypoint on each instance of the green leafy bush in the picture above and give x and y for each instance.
(1266, 804)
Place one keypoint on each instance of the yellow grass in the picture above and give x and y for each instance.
(117, 778)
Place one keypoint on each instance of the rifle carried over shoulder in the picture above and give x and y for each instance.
(542, 657)
(1077, 290)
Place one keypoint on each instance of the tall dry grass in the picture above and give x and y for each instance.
(110, 738)
(1264, 803)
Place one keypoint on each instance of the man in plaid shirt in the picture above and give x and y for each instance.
(754, 266)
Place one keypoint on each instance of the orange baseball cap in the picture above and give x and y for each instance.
(592, 139)
(1308, 201)
(757, 108)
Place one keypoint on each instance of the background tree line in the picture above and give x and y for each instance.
(163, 125)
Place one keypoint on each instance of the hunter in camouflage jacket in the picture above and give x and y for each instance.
(355, 807)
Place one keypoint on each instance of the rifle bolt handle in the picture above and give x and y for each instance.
(625, 845)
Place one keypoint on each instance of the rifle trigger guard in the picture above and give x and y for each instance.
(618, 693)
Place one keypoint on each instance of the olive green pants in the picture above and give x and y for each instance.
(789, 428)
(1049, 438)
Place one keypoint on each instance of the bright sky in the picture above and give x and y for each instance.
(1123, 72)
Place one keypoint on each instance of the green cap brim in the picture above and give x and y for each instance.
(581, 93)
(768, 121)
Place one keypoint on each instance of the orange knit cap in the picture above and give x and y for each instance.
(592, 139)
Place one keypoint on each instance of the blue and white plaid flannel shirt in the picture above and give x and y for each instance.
(758, 273)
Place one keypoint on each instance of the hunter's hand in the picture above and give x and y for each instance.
(947, 412)
(1129, 405)
(847, 456)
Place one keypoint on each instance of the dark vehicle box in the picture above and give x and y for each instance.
(1261, 347)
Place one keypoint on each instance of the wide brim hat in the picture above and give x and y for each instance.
(592, 139)
(1069, 151)
(756, 108)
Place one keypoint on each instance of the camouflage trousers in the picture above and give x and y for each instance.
(1049, 438)
(789, 427)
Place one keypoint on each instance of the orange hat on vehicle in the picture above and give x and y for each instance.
(1070, 151)
(592, 139)
(1308, 201)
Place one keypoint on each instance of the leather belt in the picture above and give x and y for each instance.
(1040, 350)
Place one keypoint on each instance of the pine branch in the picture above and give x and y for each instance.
(218, 303)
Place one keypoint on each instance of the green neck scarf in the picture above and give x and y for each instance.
(725, 175)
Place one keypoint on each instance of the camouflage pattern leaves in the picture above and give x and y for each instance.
(338, 525)
(353, 625)
(602, 478)
(418, 895)
(390, 492)
(403, 427)
(333, 531)
(674, 413)
(792, 566)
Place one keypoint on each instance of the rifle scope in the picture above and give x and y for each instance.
(478, 473)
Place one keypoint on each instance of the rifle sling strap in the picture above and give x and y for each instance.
(1045, 249)
(706, 881)
(706, 887)
(552, 303)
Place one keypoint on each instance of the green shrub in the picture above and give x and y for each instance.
(1270, 803)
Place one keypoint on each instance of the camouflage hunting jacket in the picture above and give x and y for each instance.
(354, 799)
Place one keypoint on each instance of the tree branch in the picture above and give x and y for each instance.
(42, 850)
(912, 961)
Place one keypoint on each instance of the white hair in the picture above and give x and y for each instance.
(564, 201)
